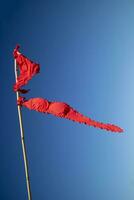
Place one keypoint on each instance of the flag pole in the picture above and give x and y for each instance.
(23, 140)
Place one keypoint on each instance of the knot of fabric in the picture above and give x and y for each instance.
(20, 101)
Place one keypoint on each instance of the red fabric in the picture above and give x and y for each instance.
(27, 69)
(63, 110)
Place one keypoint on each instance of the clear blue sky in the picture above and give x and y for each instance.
(86, 53)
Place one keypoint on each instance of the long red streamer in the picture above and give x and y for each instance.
(63, 110)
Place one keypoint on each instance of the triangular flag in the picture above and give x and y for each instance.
(27, 69)
(63, 110)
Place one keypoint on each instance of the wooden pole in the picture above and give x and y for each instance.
(22, 139)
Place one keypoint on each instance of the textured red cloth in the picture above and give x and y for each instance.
(27, 69)
(63, 110)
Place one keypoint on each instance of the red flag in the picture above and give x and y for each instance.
(27, 69)
(63, 110)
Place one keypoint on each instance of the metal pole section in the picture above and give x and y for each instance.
(22, 139)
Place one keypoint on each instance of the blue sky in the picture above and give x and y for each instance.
(85, 49)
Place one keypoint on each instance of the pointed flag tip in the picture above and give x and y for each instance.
(118, 130)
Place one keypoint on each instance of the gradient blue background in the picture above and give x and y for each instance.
(86, 53)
